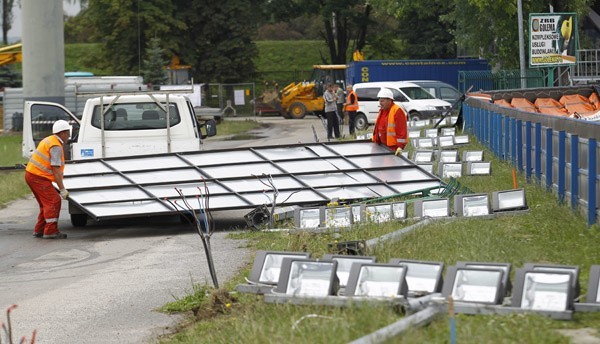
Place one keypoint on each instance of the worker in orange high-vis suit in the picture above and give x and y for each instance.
(390, 127)
(46, 165)
(351, 105)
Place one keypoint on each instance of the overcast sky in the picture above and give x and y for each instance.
(15, 33)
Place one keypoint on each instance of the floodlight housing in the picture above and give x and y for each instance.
(399, 210)
(472, 205)
(461, 139)
(445, 141)
(593, 290)
(451, 131)
(336, 217)
(505, 267)
(472, 156)
(474, 285)
(543, 290)
(419, 123)
(450, 169)
(426, 167)
(379, 213)
(358, 212)
(447, 156)
(439, 207)
(308, 277)
(414, 133)
(478, 168)
(423, 142)
(509, 200)
(422, 276)
(431, 133)
(308, 217)
(377, 280)
(422, 156)
(573, 269)
(345, 263)
(267, 265)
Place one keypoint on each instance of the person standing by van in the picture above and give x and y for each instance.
(390, 126)
(333, 124)
(351, 105)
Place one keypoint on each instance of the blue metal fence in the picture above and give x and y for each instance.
(561, 153)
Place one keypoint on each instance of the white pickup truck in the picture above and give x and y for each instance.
(120, 125)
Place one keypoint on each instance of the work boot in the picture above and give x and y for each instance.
(57, 235)
(38, 235)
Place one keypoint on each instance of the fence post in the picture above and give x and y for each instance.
(538, 152)
(592, 180)
(506, 137)
(574, 170)
(562, 165)
(520, 145)
(513, 124)
(528, 168)
(549, 158)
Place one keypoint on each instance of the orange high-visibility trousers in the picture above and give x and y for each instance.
(49, 201)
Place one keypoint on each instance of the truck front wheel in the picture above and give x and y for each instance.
(414, 116)
(360, 122)
(79, 220)
(297, 110)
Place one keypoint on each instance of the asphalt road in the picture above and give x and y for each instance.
(104, 283)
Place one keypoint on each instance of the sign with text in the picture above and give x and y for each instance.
(552, 39)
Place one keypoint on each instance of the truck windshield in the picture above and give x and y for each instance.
(416, 93)
(136, 116)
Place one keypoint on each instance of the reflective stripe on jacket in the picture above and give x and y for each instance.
(39, 163)
(351, 105)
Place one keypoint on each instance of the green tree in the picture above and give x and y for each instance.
(154, 64)
(7, 18)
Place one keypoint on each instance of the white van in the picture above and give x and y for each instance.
(416, 101)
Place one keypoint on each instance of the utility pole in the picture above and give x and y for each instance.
(521, 44)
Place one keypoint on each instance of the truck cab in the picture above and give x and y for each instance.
(120, 125)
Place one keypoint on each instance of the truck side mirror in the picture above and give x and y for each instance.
(208, 128)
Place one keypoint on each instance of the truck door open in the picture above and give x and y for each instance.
(38, 118)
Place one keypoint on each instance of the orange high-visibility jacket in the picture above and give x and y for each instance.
(391, 139)
(351, 105)
(39, 163)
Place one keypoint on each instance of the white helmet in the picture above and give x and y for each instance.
(61, 125)
(385, 93)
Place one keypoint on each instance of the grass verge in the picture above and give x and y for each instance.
(549, 232)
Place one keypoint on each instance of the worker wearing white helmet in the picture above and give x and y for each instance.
(46, 165)
(390, 126)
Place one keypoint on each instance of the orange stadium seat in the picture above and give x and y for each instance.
(576, 103)
(523, 104)
(502, 102)
(550, 106)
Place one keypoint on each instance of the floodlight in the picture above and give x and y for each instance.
(505, 267)
(573, 269)
(472, 205)
(306, 277)
(479, 168)
(421, 156)
(461, 139)
(450, 170)
(424, 142)
(345, 264)
(308, 217)
(448, 131)
(366, 136)
(426, 167)
(336, 217)
(447, 155)
(472, 156)
(379, 213)
(543, 290)
(422, 276)
(470, 284)
(431, 133)
(508, 200)
(399, 210)
(358, 211)
(432, 208)
(453, 120)
(267, 265)
(593, 290)
(445, 141)
(377, 280)
(419, 124)
(414, 133)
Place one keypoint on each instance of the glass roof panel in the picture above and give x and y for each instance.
(108, 210)
(285, 153)
(166, 176)
(103, 180)
(242, 170)
(246, 185)
(88, 168)
(401, 175)
(336, 179)
(189, 190)
(108, 195)
(375, 161)
(359, 148)
(149, 163)
(222, 157)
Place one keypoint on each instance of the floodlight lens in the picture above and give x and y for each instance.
(425, 143)
(545, 291)
(338, 217)
(448, 131)
(511, 199)
(452, 170)
(356, 213)
(344, 266)
(448, 156)
(272, 267)
(479, 168)
(435, 208)
(474, 156)
(309, 278)
(431, 133)
(445, 141)
(399, 210)
(379, 281)
(476, 286)
(421, 277)
(379, 213)
(475, 205)
(310, 218)
(423, 156)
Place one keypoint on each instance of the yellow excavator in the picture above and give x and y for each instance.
(299, 98)
(11, 54)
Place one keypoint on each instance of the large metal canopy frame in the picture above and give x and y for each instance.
(303, 174)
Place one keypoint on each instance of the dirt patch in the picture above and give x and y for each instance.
(581, 335)
(220, 302)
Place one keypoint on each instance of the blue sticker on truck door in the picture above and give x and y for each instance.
(86, 153)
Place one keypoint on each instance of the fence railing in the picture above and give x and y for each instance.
(486, 80)
(560, 153)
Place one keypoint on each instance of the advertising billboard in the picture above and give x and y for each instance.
(552, 39)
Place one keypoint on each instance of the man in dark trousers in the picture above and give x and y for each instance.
(333, 124)
(46, 165)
